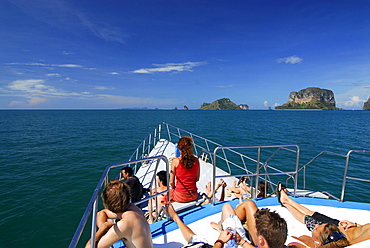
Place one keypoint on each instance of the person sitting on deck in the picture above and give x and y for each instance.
(262, 189)
(326, 232)
(121, 219)
(134, 183)
(185, 173)
(157, 203)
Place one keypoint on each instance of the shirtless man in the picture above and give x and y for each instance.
(121, 220)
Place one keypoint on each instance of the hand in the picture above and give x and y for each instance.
(226, 236)
(347, 224)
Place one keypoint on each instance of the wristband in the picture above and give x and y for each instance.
(220, 241)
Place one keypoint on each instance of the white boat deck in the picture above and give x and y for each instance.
(166, 234)
(202, 226)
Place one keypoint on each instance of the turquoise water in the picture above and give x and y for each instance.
(51, 160)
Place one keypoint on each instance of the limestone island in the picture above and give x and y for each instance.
(223, 104)
(311, 98)
(367, 105)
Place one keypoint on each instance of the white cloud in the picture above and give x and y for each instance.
(36, 100)
(169, 67)
(103, 88)
(266, 103)
(354, 98)
(227, 86)
(354, 101)
(290, 60)
(53, 75)
(15, 103)
(115, 73)
(53, 65)
(67, 53)
(36, 88)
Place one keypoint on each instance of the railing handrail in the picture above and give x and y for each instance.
(257, 174)
(92, 206)
(149, 142)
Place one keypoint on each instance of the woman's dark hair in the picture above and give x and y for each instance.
(186, 148)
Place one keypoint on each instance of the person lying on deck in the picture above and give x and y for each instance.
(209, 192)
(193, 239)
(326, 232)
(241, 190)
(267, 229)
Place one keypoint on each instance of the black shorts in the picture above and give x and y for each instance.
(317, 218)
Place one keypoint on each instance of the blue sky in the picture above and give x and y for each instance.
(89, 54)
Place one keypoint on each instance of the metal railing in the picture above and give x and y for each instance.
(235, 163)
(92, 207)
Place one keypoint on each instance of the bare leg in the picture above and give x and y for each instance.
(245, 212)
(187, 233)
(297, 210)
(227, 210)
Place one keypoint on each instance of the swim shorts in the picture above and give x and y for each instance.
(317, 218)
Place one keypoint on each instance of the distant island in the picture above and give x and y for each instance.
(311, 98)
(367, 105)
(223, 104)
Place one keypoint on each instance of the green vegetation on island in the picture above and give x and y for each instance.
(313, 104)
(223, 104)
(367, 105)
(311, 98)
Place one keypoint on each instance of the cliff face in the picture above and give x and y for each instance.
(310, 98)
(312, 94)
(221, 104)
(367, 105)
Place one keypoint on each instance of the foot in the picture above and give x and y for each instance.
(208, 188)
(216, 226)
(279, 189)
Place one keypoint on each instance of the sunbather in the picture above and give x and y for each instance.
(326, 232)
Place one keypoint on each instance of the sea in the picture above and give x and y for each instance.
(51, 160)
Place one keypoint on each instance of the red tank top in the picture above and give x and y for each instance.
(186, 179)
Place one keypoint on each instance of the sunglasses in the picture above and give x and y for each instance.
(334, 236)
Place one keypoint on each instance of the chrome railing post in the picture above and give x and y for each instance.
(345, 175)
(296, 171)
(93, 223)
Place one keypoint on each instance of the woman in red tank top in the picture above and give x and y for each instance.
(185, 172)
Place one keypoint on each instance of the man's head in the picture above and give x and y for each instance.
(116, 196)
(126, 172)
(272, 227)
(162, 177)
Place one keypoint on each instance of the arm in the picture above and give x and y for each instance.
(100, 233)
(174, 164)
(198, 175)
(365, 235)
(103, 215)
